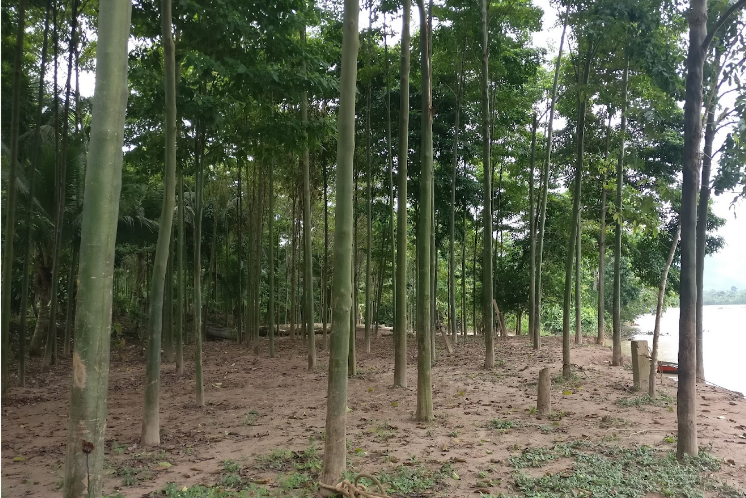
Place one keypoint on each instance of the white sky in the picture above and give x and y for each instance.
(722, 270)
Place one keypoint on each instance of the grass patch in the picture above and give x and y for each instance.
(285, 460)
(504, 425)
(533, 457)
(406, 481)
(662, 400)
(602, 470)
(251, 418)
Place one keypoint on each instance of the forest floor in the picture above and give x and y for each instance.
(263, 426)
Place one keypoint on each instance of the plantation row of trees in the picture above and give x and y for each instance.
(286, 164)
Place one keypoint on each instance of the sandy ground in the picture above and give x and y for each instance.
(256, 405)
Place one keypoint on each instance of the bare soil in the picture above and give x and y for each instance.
(257, 405)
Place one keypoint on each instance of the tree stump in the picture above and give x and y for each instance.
(543, 400)
(640, 363)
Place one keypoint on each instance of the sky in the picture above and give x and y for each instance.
(723, 270)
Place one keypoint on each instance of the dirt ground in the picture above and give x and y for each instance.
(256, 406)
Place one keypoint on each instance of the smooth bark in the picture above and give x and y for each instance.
(616, 359)
(335, 449)
(307, 254)
(532, 235)
(602, 244)
(85, 443)
(151, 419)
(424, 226)
(452, 254)
(400, 303)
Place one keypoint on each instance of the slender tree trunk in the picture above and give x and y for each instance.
(616, 359)
(31, 174)
(293, 279)
(532, 236)
(85, 443)
(325, 269)
(180, 294)
(400, 303)
(575, 227)
(307, 255)
(335, 448)
(487, 314)
(702, 214)
(50, 348)
(271, 277)
(602, 243)
(424, 227)
(578, 297)
(168, 313)
(151, 408)
(390, 159)
(452, 256)
(71, 288)
(369, 193)
(199, 185)
(659, 312)
(10, 208)
(352, 357)
(544, 194)
(463, 276)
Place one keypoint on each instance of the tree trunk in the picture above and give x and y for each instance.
(71, 288)
(307, 255)
(487, 315)
(545, 191)
(199, 180)
(85, 443)
(602, 243)
(369, 193)
(532, 236)
(325, 269)
(424, 227)
(702, 214)
(168, 312)
(578, 297)
(50, 343)
(180, 294)
(293, 278)
(400, 303)
(390, 159)
(335, 448)
(687, 389)
(31, 174)
(575, 224)
(151, 419)
(659, 312)
(616, 359)
(10, 208)
(452, 255)
(271, 276)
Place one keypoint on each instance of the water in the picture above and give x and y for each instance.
(724, 342)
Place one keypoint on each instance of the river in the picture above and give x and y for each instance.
(724, 342)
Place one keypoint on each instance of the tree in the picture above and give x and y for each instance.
(335, 448)
(151, 419)
(85, 443)
(400, 310)
(307, 253)
(487, 315)
(424, 232)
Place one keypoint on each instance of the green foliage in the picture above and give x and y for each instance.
(410, 480)
(662, 399)
(732, 296)
(504, 425)
(613, 471)
(532, 457)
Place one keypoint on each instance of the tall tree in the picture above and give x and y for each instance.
(544, 195)
(532, 234)
(602, 241)
(452, 253)
(487, 314)
(699, 41)
(85, 443)
(151, 414)
(335, 448)
(424, 226)
(616, 358)
(307, 254)
(10, 221)
(31, 174)
(400, 304)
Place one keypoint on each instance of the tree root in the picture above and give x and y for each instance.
(355, 490)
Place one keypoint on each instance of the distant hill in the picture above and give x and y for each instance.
(732, 296)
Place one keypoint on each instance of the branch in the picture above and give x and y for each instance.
(720, 22)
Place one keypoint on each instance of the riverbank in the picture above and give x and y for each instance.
(263, 425)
